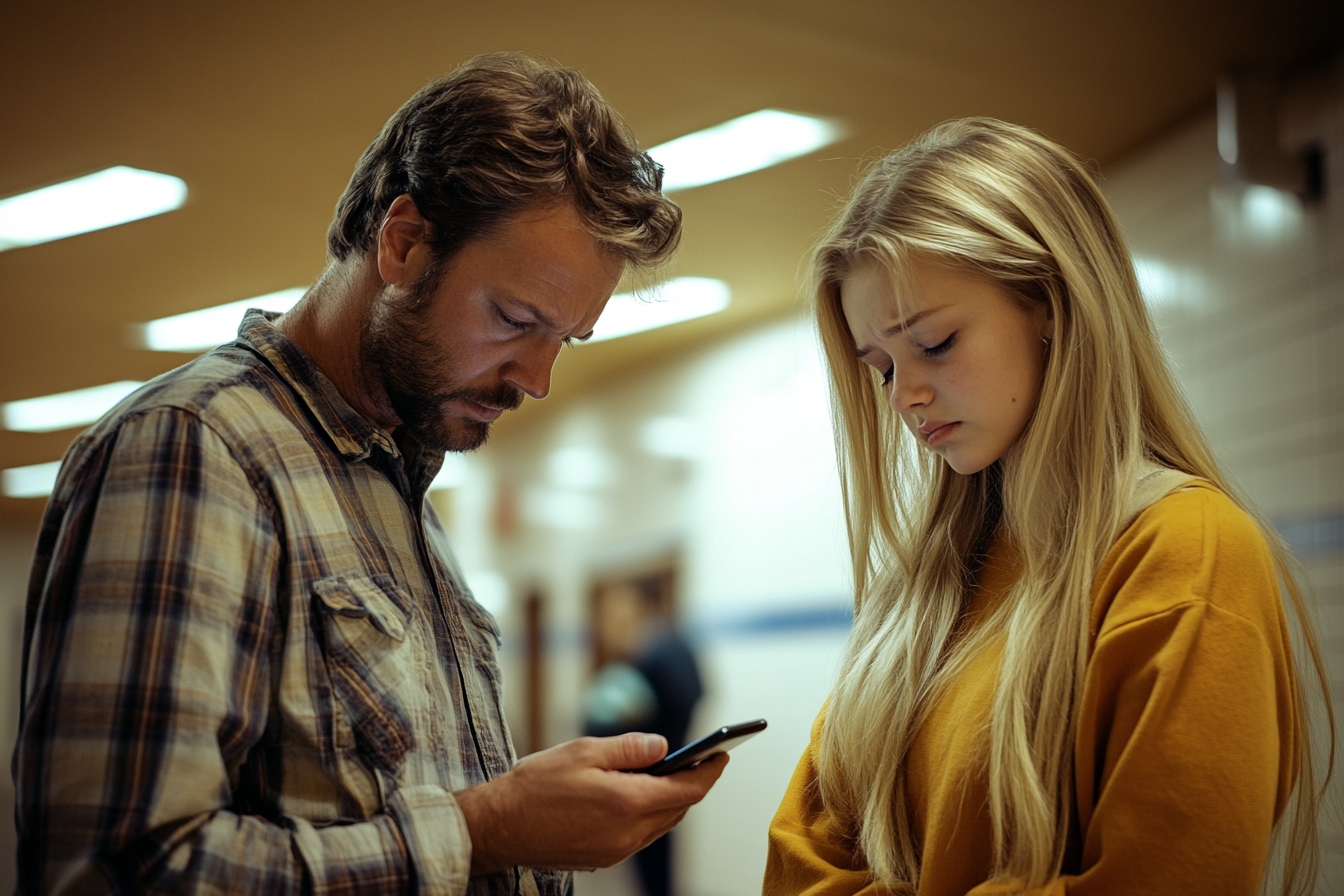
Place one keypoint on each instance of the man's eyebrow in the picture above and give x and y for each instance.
(543, 319)
(900, 325)
(536, 312)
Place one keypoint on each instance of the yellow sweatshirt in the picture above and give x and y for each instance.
(1186, 745)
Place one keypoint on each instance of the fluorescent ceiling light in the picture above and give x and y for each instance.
(196, 331)
(744, 144)
(65, 409)
(36, 481)
(677, 300)
(110, 197)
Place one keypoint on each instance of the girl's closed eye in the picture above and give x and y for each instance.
(936, 350)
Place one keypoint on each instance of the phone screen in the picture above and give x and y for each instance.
(718, 741)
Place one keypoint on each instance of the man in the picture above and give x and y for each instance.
(250, 664)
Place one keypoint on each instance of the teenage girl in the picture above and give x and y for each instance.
(1070, 668)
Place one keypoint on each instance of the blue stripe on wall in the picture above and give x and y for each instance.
(1314, 537)
(825, 617)
(1307, 537)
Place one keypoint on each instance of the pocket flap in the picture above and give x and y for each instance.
(359, 595)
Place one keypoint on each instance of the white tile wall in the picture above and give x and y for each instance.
(1259, 346)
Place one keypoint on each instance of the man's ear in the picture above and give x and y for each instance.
(403, 243)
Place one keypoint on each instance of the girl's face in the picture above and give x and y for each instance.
(961, 358)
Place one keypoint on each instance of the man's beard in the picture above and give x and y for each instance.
(398, 354)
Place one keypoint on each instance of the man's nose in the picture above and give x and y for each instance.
(531, 370)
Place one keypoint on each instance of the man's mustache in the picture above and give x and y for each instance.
(506, 398)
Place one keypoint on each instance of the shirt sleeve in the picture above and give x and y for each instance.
(1187, 739)
(152, 631)
(810, 853)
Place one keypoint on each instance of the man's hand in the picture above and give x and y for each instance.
(571, 807)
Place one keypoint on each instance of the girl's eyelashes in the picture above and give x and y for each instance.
(930, 352)
(940, 348)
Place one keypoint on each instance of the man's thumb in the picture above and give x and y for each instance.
(636, 750)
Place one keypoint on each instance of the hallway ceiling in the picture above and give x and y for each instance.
(263, 108)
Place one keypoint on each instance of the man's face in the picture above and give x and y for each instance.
(467, 341)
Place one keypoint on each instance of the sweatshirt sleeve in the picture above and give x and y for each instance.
(810, 853)
(1187, 737)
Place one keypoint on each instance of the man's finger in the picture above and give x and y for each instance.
(703, 775)
(680, 790)
(634, 750)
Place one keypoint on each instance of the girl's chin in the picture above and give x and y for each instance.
(964, 464)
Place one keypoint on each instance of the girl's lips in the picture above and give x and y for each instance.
(936, 432)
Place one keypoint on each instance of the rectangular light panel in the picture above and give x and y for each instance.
(109, 197)
(674, 301)
(197, 331)
(36, 481)
(739, 146)
(65, 409)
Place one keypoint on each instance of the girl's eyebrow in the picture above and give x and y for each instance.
(899, 326)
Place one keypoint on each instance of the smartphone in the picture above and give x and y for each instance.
(719, 741)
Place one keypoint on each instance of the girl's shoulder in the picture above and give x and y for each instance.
(1197, 517)
(1194, 548)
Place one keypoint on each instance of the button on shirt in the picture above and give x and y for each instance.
(250, 663)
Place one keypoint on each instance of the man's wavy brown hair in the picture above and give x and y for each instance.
(502, 133)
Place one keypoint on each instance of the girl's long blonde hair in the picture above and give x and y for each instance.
(1000, 202)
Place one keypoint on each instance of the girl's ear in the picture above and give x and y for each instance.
(1045, 321)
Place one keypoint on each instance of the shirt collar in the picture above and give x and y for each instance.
(354, 437)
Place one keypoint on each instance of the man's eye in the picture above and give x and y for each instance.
(516, 324)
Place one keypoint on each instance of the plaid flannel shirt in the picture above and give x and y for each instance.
(250, 663)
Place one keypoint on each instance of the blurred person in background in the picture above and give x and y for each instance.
(250, 663)
(651, 683)
(1070, 668)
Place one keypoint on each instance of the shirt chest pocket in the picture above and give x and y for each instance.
(369, 660)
